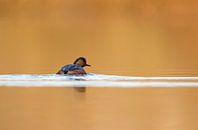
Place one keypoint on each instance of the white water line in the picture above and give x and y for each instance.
(125, 84)
(93, 80)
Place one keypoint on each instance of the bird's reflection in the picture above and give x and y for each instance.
(81, 89)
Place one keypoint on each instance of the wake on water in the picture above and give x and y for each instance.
(93, 80)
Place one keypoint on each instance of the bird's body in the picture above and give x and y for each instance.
(74, 69)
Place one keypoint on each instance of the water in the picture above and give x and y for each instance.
(97, 102)
(96, 80)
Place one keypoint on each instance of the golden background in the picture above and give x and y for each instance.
(125, 37)
(121, 37)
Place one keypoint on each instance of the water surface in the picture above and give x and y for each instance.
(97, 80)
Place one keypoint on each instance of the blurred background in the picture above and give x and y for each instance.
(123, 37)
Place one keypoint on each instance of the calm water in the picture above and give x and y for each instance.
(50, 105)
(98, 108)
